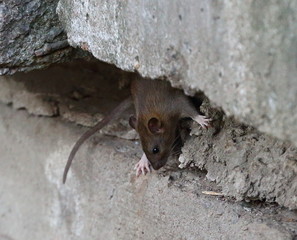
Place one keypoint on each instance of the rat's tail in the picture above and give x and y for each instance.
(124, 105)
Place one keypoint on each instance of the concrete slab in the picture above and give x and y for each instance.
(241, 54)
(102, 199)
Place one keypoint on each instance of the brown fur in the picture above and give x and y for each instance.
(157, 99)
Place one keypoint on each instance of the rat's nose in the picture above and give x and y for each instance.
(157, 165)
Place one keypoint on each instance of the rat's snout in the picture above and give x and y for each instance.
(158, 164)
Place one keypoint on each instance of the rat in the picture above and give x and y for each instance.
(158, 109)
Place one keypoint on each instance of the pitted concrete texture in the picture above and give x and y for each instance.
(241, 54)
(102, 199)
(245, 163)
(31, 36)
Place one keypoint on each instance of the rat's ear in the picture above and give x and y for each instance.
(155, 126)
(132, 122)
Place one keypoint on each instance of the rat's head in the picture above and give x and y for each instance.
(157, 138)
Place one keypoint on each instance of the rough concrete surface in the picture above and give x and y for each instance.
(245, 163)
(241, 54)
(31, 36)
(102, 199)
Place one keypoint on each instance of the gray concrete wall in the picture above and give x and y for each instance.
(241, 54)
(246, 164)
(102, 198)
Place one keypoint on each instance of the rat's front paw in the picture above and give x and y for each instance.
(203, 121)
(143, 166)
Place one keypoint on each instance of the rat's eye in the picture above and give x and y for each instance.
(155, 150)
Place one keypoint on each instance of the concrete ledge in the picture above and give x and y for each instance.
(241, 54)
(102, 198)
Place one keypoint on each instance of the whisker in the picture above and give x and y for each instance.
(176, 153)
(173, 146)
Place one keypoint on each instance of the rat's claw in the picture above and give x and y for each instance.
(143, 166)
(203, 121)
